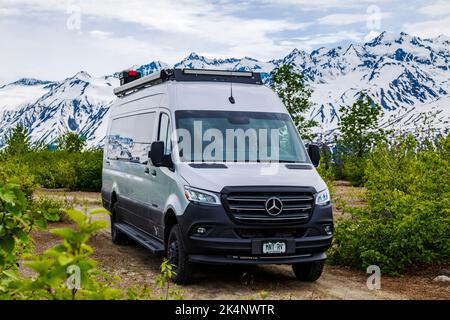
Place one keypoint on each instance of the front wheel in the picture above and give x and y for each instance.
(117, 236)
(309, 271)
(177, 256)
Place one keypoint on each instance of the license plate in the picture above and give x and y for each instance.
(274, 247)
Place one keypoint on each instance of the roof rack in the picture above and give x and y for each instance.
(248, 77)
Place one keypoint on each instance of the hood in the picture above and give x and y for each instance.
(214, 178)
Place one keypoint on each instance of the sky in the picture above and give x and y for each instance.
(54, 39)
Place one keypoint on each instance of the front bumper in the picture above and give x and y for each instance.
(228, 242)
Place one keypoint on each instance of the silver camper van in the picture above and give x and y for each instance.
(206, 166)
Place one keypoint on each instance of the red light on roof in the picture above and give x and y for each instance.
(132, 73)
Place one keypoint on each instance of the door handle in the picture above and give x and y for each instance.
(147, 170)
(108, 162)
(154, 173)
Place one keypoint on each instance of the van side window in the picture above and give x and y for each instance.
(164, 132)
(130, 137)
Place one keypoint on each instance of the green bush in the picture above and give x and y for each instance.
(68, 262)
(81, 171)
(51, 209)
(327, 175)
(16, 221)
(53, 265)
(406, 222)
(17, 172)
(352, 169)
(69, 167)
(52, 169)
(72, 142)
(89, 171)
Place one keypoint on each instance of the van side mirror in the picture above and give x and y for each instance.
(314, 154)
(156, 153)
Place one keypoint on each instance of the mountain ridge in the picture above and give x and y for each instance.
(401, 72)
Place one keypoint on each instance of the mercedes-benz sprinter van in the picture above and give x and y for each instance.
(206, 166)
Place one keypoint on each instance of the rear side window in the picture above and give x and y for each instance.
(130, 137)
(164, 132)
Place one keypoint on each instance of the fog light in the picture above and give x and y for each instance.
(328, 229)
(201, 230)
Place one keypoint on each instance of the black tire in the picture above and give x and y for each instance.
(309, 271)
(117, 236)
(177, 256)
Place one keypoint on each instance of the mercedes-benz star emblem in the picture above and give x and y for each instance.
(274, 206)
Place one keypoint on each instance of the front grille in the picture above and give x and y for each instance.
(250, 206)
(271, 233)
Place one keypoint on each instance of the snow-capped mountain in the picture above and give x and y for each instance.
(78, 103)
(22, 92)
(407, 75)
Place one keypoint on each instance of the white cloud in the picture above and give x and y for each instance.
(130, 46)
(5, 12)
(319, 40)
(440, 8)
(430, 28)
(99, 34)
(326, 4)
(201, 22)
(342, 19)
(116, 34)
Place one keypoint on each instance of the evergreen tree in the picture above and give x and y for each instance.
(359, 132)
(19, 141)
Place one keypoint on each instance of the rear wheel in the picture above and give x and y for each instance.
(177, 256)
(309, 271)
(117, 236)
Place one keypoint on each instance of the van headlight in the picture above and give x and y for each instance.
(323, 197)
(200, 196)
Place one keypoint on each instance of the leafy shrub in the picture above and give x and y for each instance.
(71, 142)
(163, 282)
(89, 171)
(16, 221)
(80, 171)
(407, 219)
(54, 169)
(327, 175)
(69, 167)
(51, 209)
(16, 172)
(19, 216)
(66, 271)
(53, 265)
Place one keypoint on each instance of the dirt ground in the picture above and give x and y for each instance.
(136, 266)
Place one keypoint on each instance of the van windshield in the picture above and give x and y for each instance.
(234, 136)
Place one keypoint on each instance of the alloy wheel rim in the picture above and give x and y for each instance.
(172, 254)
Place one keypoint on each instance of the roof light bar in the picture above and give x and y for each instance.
(131, 81)
(218, 72)
(136, 84)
